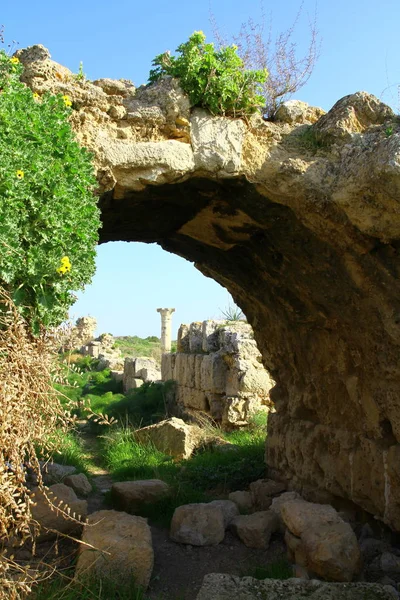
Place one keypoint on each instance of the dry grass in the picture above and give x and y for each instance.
(29, 412)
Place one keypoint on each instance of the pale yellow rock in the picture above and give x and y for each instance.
(172, 436)
(300, 516)
(198, 525)
(52, 520)
(133, 495)
(255, 530)
(119, 547)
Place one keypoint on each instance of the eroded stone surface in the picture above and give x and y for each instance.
(198, 524)
(120, 547)
(225, 587)
(132, 495)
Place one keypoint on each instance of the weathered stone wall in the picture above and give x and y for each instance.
(138, 370)
(218, 369)
(300, 220)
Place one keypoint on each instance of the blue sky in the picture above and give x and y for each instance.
(117, 39)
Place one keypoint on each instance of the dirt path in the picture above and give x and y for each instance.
(101, 478)
(179, 569)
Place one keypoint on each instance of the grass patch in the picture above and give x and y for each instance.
(211, 473)
(143, 406)
(94, 588)
(280, 569)
(70, 451)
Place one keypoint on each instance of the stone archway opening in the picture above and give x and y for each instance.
(299, 219)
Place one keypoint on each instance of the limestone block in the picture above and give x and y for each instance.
(229, 510)
(210, 332)
(55, 473)
(47, 515)
(189, 372)
(172, 436)
(299, 515)
(232, 336)
(192, 398)
(168, 366)
(216, 405)
(217, 142)
(132, 495)
(198, 524)
(79, 483)
(180, 368)
(143, 362)
(132, 384)
(332, 551)
(183, 338)
(278, 502)
(263, 490)
(197, 371)
(243, 501)
(213, 373)
(239, 409)
(94, 349)
(120, 547)
(118, 376)
(196, 337)
(151, 374)
(255, 530)
(225, 587)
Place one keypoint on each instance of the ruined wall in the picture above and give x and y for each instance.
(300, 220)
(218, 369)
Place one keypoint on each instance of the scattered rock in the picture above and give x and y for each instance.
(132, 495)
(79, 483)
(172, 436)
(198, 525)
(51, 518)
(55, 473)
(120, 547)
(229, 510)
(225, 587)
(320, 540)
(263, 490)
(255, 530)
(278, 502)
(243, 501)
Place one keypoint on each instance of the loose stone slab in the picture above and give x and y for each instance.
(225, 587)
(132, 495)
(198, 524)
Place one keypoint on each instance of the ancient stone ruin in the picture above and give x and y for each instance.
(299, 219)
(218, 370)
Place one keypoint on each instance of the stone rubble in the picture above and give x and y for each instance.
(131, 496)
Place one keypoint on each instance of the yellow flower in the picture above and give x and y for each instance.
(67, 101)
(19, 174)
(15, 60)
(65, 265)
(36, 96)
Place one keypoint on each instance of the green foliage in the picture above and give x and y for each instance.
(232, 313)
(279, 569)
(213, 79)
(143, 406)
(65, 587)
(69, 451)
(133, 345)
(49, 217)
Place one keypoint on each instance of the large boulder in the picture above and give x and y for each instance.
(225, 587)
(198, 525)
(58, 510)
(118, 546)
(172, 436)
(133, 495)
(54, 472)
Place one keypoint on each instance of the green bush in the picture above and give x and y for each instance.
(49, 218)
(213, 79)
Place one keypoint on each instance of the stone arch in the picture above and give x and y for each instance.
(299, 219)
